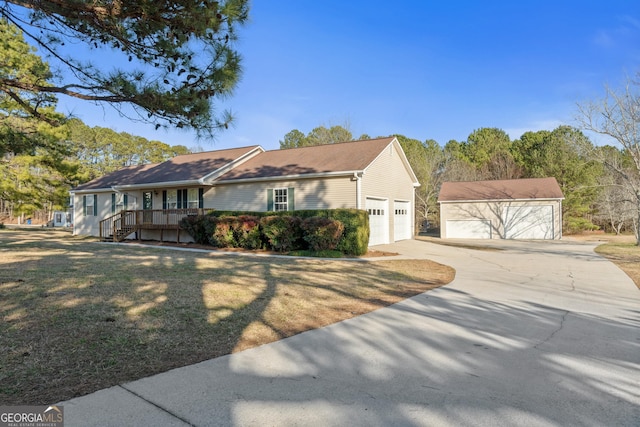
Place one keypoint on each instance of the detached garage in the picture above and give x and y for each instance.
(502, 209)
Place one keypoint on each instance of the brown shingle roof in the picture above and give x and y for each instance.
(126, 174)
(333, 158)
(187, 167)
(511, 189)
(341, 157)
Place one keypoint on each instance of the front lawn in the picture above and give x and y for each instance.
(625, 255)
(78, 316)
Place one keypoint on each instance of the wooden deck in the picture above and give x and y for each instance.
(121, 225)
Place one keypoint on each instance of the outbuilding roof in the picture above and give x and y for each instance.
(510, 189)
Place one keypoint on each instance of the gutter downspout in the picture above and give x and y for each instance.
(358, 177)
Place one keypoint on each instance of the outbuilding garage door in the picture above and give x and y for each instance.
(401, 221)
(378, 221)
(529, 222)
(469, 229)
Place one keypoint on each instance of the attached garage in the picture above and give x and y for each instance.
(401, 220)
(501, 209)
(378, 210)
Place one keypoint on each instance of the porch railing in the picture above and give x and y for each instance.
(119, 226)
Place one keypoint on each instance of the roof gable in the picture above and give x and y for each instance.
(511, 189)
(194, 167)
(344, 157)
(126, 174)
(185, 168)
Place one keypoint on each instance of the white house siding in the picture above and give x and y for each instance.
(388, 178)
(494, 212)
(90, 224)
(327, 193)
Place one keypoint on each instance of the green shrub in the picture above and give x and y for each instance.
(283, 233)
(354, 239)
(577, 225)
(247, 232)
(322, 234)
(199, 227)
(223, 236)
(190, 225)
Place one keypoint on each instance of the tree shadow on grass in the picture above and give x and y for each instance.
(82, 317)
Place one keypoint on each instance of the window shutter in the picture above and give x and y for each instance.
(200, 198)
(184, 204)
(126, 201)
(269, 199)
(84, 205)
(95, 205)
(290, 199)
(179, 205)
(164, 199)
(113, 202)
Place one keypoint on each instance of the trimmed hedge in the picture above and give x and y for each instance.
(322, 234)
(199, 227)
(247, 231)
(281, 235)
(223, 236)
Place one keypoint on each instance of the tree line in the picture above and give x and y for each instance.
(36, 182)
(595, 196)
(172, 62)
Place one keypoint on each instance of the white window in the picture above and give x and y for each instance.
(172, 199)
(90, 205)
(121, 202)
(192, 198)
(280, 199)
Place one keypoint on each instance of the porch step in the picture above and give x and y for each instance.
(122, 233)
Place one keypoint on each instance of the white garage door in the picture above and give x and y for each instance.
(469, 229)
(378, 221)
(528, 222)
(401, 221)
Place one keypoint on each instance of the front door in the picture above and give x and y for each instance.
(147, 205)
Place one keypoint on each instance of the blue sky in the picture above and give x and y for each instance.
(424, 69)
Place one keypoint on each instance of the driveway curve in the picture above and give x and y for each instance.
(528, 334)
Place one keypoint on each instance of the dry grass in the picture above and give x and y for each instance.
(77, 316)
(625, 254)
(619, 249)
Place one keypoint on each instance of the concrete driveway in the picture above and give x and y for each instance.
(528, 334)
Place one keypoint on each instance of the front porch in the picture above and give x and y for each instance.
(123, 224)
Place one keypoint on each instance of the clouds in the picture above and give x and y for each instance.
(623, 35)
